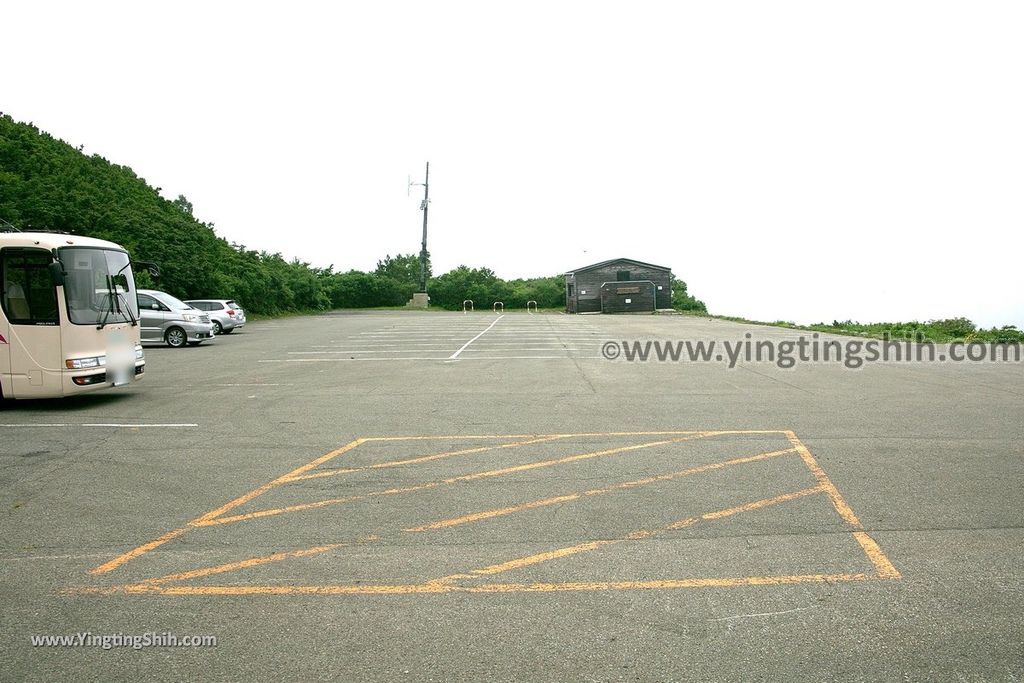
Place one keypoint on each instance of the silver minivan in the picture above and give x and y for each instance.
(166, 319)
(225, 314)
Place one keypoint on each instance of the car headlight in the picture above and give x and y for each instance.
(85, 363)
(189, 317)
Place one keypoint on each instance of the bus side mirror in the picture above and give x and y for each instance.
(154, 269)
(57, 273)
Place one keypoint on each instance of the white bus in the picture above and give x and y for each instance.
(69, 319)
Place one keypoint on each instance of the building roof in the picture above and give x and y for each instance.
(602, 264)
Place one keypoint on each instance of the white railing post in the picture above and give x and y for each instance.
(467, 301)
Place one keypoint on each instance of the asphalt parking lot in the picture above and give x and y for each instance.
(435, 496)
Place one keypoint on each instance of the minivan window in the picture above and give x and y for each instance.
(174, 304)
(147, 302)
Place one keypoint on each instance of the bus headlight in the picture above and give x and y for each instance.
(86, 363)
(139, 355)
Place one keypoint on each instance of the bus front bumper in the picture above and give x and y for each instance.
(80, 381)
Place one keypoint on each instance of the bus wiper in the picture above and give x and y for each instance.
(109, 308)
(116, 298)
(127, 309)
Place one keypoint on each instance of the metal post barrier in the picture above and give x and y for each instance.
(499, 303)
(531, 310)
(467, 301)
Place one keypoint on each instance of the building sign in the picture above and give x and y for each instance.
(627, 290)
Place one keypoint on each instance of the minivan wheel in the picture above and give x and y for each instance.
(176, 337)
(217, 329)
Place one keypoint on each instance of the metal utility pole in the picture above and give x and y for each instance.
(424, 206)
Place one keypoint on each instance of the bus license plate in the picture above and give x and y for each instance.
(119, 376)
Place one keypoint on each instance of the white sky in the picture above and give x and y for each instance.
(802, 161)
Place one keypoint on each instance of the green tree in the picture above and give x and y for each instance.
(683, 301)
(480, 285)
(184, 204)
(403, 268)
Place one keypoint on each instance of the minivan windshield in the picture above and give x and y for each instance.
(174, 304)
(99, 286)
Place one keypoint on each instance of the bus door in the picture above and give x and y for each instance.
(5, 353)
(33, 343)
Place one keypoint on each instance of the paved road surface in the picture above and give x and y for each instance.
(431, 496)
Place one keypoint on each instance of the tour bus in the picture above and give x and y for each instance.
(69, 319)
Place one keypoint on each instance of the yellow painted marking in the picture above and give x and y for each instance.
(885, 568)
(687, 472)
(243, 564)
(384, 439)
(445, 482)
(498, 512)
(573, 458)
(141, 550)
(424, 458)
(207, 518)
(241, 500)
(665, 584)
(838, 503)
(319, 504)
(632, 536)
(438, 588)
(488, 514)
(720, 432)
(333, 472)
(531, 560)
(758, 504)
(882, 565)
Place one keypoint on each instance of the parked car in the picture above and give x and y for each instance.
(226, 315)
(166, 319)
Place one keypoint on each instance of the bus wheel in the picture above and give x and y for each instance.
(176, 337)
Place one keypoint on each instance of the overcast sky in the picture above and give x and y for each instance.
(799, 161)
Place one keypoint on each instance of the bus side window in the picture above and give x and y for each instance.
(29, 296)
(17, 303)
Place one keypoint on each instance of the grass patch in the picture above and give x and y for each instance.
(937, 331)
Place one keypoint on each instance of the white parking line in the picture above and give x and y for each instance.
(533, 347)
(489, 342)
(337, 360)
(466, 345)
(378, 359)
(102, 424)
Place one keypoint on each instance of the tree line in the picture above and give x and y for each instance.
(46, 184)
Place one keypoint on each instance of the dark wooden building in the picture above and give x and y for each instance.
(618, 286)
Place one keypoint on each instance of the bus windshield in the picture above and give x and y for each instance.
(99, 286)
